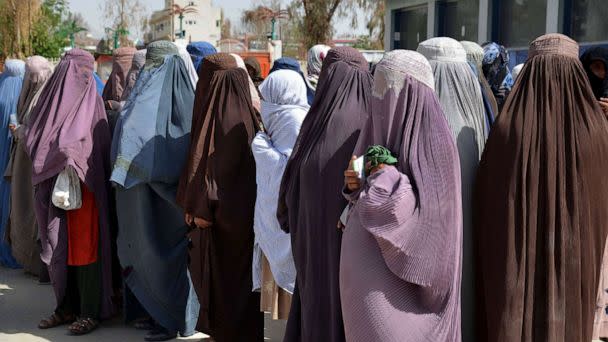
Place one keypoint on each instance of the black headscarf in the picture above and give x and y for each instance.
(599, 85)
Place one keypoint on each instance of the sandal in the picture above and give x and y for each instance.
(83, 326)
(55, 320)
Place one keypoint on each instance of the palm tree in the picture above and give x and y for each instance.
(262, 13)
(180, 12)
(70, 29)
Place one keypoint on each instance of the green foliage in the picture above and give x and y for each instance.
(48, 35)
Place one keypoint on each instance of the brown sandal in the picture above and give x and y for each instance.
(55, 320)
(83, 326)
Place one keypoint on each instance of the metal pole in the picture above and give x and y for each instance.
(181, 29)
(273, 21)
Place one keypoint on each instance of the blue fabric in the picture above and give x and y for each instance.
(152, 135)
(287, 63)
(10, 88)
(496, 67)
(198, 51)
(98, 83)
(149, 150)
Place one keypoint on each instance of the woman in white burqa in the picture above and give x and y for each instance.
(283, 109)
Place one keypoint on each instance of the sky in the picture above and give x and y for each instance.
(90, 10)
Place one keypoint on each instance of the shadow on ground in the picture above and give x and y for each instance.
(23, 303)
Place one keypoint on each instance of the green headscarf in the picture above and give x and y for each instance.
(377, 155)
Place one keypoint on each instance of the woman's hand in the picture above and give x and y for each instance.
(12, 128)
(189, 219)
(351, 177)
(202, 223)
(370, 171)
(604, 104)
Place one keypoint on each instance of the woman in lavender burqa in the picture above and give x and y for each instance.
(400, 266)
(70, 132)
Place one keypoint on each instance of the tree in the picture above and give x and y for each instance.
(317, 16)
(126, 16)
(226, 27)
(47, 39)
(261, 15)
(70, 29)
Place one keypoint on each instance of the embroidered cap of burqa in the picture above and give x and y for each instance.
(310, 199)
(23, 230)
(69, 128)
(540, 203)
(218, 184)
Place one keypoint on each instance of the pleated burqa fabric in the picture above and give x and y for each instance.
(218, 185)
(460, 97)
(23, 230)
(192, 70)
(149, 151)
(68, 127)
(475, 58)
(11, 82)
(139, 59)
(310, 199)
(401, 258)
(540, 204)
(116, 83)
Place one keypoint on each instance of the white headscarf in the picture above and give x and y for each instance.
(516, 70)
(255, 97)
(316, 55)
(284, 108)
(183, 53)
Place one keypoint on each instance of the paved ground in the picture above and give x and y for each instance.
(23, 303)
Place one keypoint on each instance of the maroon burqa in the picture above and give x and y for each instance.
(310, 199)
(218, 184)
(122, 61)
(70, 128)
(541, 204)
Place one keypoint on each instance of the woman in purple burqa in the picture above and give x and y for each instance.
(402, 247)
(310, 200)
(70, 129)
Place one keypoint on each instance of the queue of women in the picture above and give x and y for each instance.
(435, 198)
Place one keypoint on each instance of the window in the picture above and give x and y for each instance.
(409, 27)
(218, 23)
(586, 20)
(518, 22)
(458, 19)
(191, 3)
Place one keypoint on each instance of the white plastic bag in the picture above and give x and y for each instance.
(66, 193)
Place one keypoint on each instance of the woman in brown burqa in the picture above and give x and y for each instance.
(217, 191)
(310, 199)
(541, 204)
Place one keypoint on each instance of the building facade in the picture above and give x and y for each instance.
(205, 25)
(513, 23)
